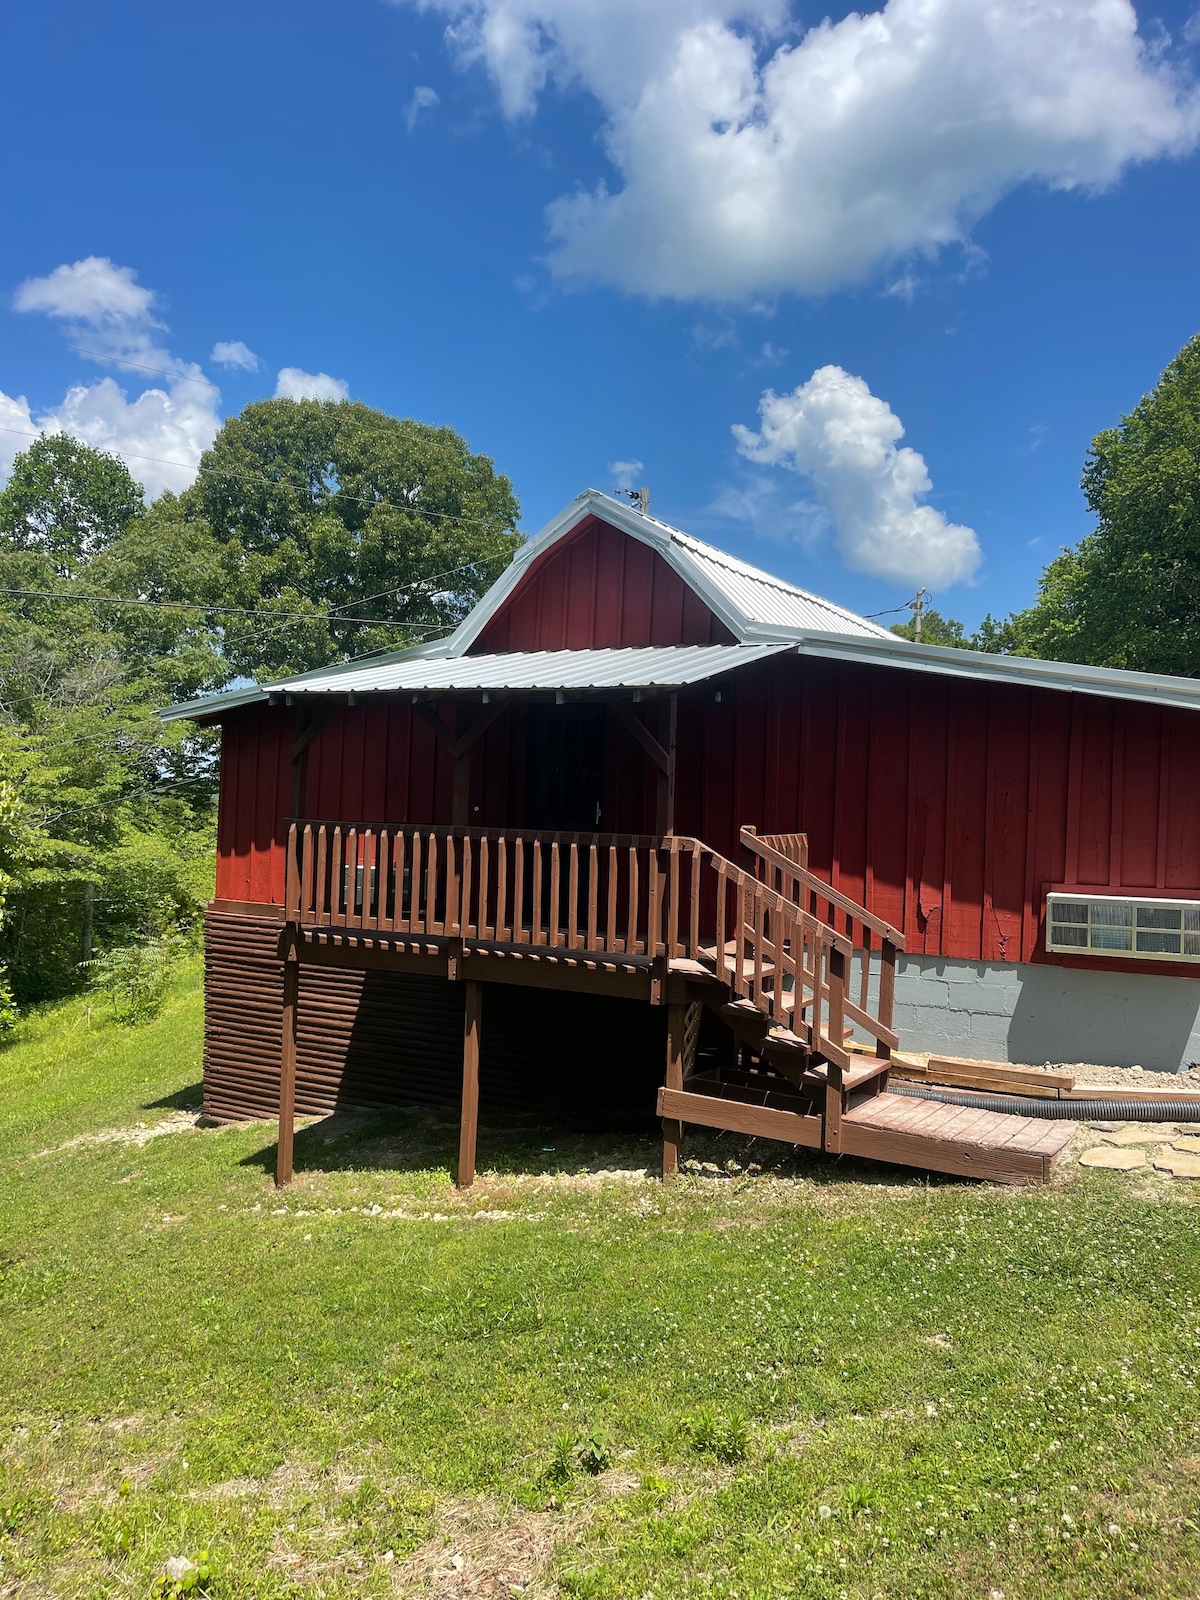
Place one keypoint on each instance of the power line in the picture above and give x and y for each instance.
(255, 477)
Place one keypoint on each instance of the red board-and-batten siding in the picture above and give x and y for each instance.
(945, 805)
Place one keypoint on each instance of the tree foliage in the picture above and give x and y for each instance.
(110, 609)
(936, 629)
(342, 512)
(1128, 595)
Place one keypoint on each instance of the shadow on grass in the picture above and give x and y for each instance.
(189, 1098)
(424, 1139)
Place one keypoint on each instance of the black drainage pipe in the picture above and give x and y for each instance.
(1059, 1110)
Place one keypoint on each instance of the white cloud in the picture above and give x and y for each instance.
(835, 432)
(111, 318)
(16, 427)
(293, 383)
(626, 474)
(233, 353)
(755, 158)
(423, 98)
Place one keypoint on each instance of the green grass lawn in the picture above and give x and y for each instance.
(814, 1380)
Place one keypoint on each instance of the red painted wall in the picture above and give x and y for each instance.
(947, 806)
(599, 589)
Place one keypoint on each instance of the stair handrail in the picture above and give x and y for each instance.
(754, 842)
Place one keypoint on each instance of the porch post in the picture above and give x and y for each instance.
(469, 1125)
(667, 718)
(287, 1068)
(672, 1130)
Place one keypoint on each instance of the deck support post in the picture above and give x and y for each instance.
(672, 1130)
(287, 1067)
(469, 1126)
(667, 722)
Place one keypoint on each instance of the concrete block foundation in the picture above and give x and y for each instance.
(999, 1012)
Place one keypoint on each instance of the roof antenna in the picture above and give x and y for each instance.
(640, 498)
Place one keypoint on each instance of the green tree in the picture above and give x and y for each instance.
(65, 502)
(1128, 595)
(335, 510)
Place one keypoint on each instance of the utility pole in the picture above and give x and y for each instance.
(640, 498)
(918, 608)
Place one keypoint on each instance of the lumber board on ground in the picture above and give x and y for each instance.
(990, 1076)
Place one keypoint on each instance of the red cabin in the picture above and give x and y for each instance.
(649, 803)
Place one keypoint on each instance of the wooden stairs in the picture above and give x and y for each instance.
(797, 1071)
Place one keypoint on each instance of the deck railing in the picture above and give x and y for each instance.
(632, 896)
(783, 866)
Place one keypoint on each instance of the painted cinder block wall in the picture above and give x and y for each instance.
(947, 805)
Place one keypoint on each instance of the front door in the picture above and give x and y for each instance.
(565, 789)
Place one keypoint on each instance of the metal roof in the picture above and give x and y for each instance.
(667, 667)
(765, 614)
(748, 601)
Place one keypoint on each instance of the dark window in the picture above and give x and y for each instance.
(565, 789)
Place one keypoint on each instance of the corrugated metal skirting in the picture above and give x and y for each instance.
(377, 1039)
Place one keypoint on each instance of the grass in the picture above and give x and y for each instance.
(815, 1380)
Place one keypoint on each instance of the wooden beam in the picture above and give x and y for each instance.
(668, 720)
(469, 1125)
(629, 718)
(287, 1072)
(459, 743)
(672, 1128)
(706, 1111)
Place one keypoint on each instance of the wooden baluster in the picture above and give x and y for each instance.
(722, 893)
(574, 937)
(322, 907)
(694, 920)
(416, 886)
(291, 892)
(631, 941)
(370, 878)
(306, 883)
(398, 853)
(353, 910)
(593, 906)
(502, 890)
(554, 935)
(837, 1029)
(759, 935)
(485, 927)
(451, 917)
(654, 903)
(429, 922)
(739, 946)
(519, 892)
(887, 992)
(537, 892)
(610, 925)
(336, 878)
(466, 924)
(673, 946)
(383, 871)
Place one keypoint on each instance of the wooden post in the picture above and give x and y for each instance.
(460, 801)
(672, 1130)
(887, 992)
(837, 1028)
(469, 1126)
(667, 720)
(287, 1069)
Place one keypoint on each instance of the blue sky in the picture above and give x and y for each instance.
(983, 212)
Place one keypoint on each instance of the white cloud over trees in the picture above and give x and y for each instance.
(833, 431)
(293, 383)
(755, 157)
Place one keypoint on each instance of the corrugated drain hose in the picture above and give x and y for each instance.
(1059, 1110)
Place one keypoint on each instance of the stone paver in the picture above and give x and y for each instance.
(1188, 1142)
(1104, 1127)
(1141, 1133)
(1103, 1155)
(1178, 1164)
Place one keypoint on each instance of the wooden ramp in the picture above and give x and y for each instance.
(928, 1134)
(957, 1139)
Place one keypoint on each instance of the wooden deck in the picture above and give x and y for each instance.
(795, 972)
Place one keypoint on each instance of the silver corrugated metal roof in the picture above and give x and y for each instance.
(751, 603)
(764, 599)
(669, 667)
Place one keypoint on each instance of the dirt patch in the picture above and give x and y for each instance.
(138, 1135)
(479, 1554)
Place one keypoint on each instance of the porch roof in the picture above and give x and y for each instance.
(653, 668)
